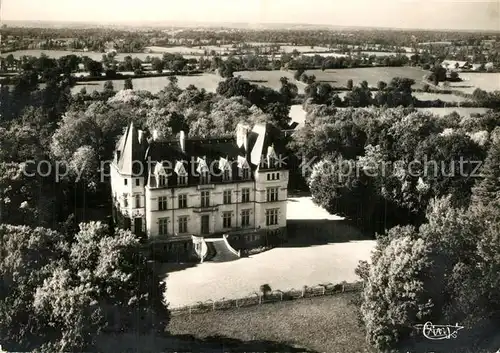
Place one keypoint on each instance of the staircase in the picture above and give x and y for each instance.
(219, 250)
(221, 253)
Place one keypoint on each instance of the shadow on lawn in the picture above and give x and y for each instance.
(188, 343)
(309, 232)
(225, 344)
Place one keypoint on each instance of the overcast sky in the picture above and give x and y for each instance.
(435, 14)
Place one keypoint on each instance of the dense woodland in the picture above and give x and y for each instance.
(64, 283)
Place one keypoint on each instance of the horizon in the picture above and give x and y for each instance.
(385, 14)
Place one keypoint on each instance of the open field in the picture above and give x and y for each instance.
(98, 56)
(327, 324)
(339, 77)
(268, 78)
(322, 248)
(298, 114)
(484, 80)
(156, 84)
(460, 110)
(425, 96)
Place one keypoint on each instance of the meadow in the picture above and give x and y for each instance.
(339, 77)
(472, 80)
(155, 84)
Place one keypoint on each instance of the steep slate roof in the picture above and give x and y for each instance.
(130, 150)
(169, 153)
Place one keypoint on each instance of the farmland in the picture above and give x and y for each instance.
(156, 84)
(371, 75)
(484, 80)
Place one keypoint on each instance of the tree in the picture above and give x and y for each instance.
(59, 292)
(394, 297)
(128, 84)
(487, 189)
(157, 65)
(94, 68)
(108, 86)
(381, 85)
(349, 84)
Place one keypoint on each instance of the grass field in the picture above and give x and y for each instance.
(156, 84)
(471, 81)
(327, 324)
(268, 78)
(371, 74)
(460, 110)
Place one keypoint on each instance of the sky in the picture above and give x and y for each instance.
(428, 14)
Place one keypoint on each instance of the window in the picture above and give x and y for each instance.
(137, 201)
(183, 224)
(227, 197)
(268, 176)
(226, 220)
(245, 173)
(162, 180)
(245, 218)
(204, 178)
(183, 201)
(125, 200)
(137, 182)
(226, 176)
(162, 226)
(205, 199)
(272, 217)
(182, 180)
(162, 203)
(125, 181)
(272, 194)
(245, 195)
(277, 176)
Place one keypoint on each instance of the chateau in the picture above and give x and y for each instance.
(177, 193)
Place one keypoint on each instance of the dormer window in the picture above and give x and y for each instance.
(204, 178)
(162, 180)
(244, 168)
(203, 171)
(181, 173)
(226, 176)
(182, 179)
(245, 173)
(225, 167)
(161, 175)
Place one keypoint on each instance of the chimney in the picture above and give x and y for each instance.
(140, 136)
(155, 135)
(182, 140)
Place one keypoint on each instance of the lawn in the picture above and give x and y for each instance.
(327, 324)
(156, 84)
(322, 249)
(339, 77)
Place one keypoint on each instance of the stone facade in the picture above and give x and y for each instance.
(169, 191)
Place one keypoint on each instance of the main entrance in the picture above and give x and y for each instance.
(205, 224)
(138, 226)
